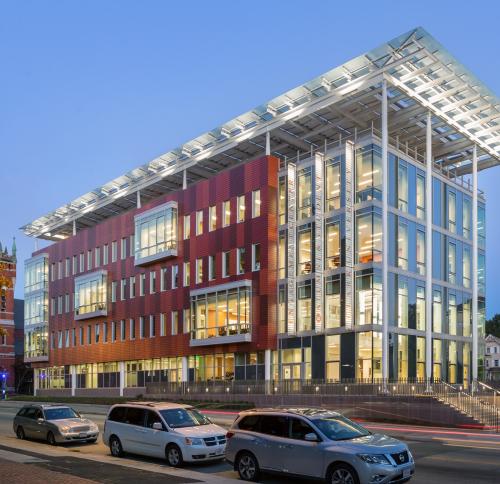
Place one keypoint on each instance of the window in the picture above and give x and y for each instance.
(304, 248)
(212, 218)
(199, 271)
(132, 245)
(368, 237)
(142, 284)
(225, 264)
(67, 264)
(421, 252)
(163, 279)
(142, 330)
(152, 282)
(104, 332)
(333, 358)
(467, 218)
(186, 321)
(332, 245)
(113, 291)
(274, 425)
(304, 188)
(199, 222)
(420, 358)
(123, 249)
(452, 262)
(73, 337)
(282, 317)
(402, 356)
(402, 303)
(105, 252)
(91, 295)
(452, 314)
(132, 286)
(175, 322)
(403, 245)
(420, 189)
(437, 358)
(437, 312)
(89, 260)
(256, 202)
(59, 339)
(60, 269)
(152, 328)
(466, 261)
(186, 274)
(66, 303)
(211, 267)
(122, 330)
(368, 298)
(332, 302)
(420, 309)
(304, 306)
(89, 334)
(156, 233)
(113, 331)
(82, 341)
(282, 255)
(53, 272)
(82, 262)
(332, 184)
(175, 277)
(241, 208)
(187, 226)
(221, 313)
(75, 265)
(226, 213)
(240, 260)
(114, 251)
(255, 257)
(368, 173)
(132, 328)
(123, 287)
(97, 256)
(97, 333)
(369, 355)
(452, 212)
(299, 429)
(59, 304)
(52, 306)
(282, 208)
(402, 186)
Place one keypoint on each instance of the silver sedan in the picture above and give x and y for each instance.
(56, 424)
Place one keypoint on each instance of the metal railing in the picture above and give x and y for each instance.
(471, 404)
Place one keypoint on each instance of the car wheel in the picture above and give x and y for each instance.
(247, 467)
(342, 474)
(174, 456)
(20, 433)
(115, 446)
(51, 440)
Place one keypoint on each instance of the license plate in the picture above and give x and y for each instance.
(406, 473)
(83, 435)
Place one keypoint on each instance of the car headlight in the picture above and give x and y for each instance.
(374, 459)
(94, 428)
(193, 441)
(64, 428)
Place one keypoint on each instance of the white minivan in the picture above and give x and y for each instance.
(176, 432)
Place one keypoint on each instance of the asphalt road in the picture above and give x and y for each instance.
(442, 456)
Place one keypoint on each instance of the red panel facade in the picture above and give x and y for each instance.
(259, 174)
(7, 334)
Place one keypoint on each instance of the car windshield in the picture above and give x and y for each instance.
(184, 417)
(60, 413)
(340, 428)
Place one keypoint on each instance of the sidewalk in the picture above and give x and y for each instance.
(15, 473)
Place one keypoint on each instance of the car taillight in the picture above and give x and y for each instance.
(229, 435)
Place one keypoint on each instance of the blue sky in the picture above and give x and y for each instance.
(91, 89)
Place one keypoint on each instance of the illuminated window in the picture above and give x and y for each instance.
(255, 257)
(402, 187)
(186, 274)
(212, 218)
(467, 218)
(368, 173)
(402, 303)
(199, 271)
(256, 202)
(437, 356)
(305, 257)
(452, 314)
(420, 252)
(226, 213)
(452, 262)
(282, 255)
(333, 358)
(368, 237)
(187, 226)
(421, 358)
(304, 306)
(91, 295)
(437, 312)
(282, 208)
(241, 208)
(332, 184)
(332, 302)
(199, 222)
(420, 313)
(332, 258)
(369, 356)
(402, 356)
(304, 188)
(466, 261)
(420, 189)
(452, 212)
(211, 267)
(240, 260)
(403, 245)
(369, 299)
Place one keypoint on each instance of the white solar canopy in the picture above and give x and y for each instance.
(421, 75)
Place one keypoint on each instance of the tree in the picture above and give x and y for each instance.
(493, 326)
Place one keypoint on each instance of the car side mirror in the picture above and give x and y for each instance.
(40, 420)
(312, 437)
(157, 426)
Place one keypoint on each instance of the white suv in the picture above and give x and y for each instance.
(176, 432)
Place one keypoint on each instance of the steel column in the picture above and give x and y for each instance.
(474, 268)
(428, 252)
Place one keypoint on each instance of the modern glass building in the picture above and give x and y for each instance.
(334, 233)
